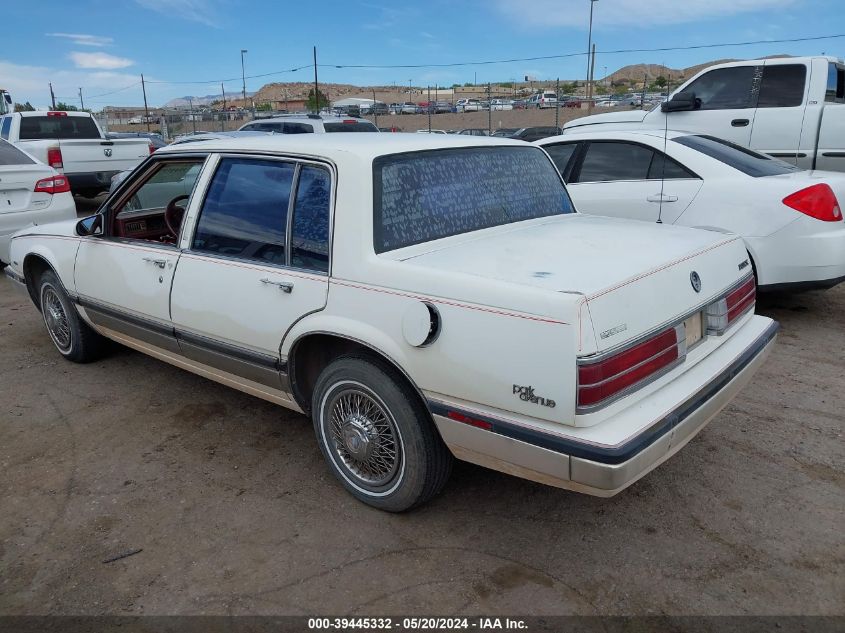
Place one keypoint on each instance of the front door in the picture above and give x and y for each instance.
(257, 260)
(123, 278)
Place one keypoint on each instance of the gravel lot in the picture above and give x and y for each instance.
(236, 513)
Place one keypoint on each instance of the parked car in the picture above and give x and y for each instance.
(473, 131)
(73, 144)
(520, 104)
(468, 105)
(432, 131)
(501, 104)
(505, 132)
(792, 108)
(494, 324)
(309, 124)
(790, 219)
(545, 99)
(410, 107)
(535, 133)
(155, 139)
(395, 108)
(30, 193)
(136, 120)
(390, 129)
(442, 107)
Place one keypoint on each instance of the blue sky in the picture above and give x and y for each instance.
(104, 45)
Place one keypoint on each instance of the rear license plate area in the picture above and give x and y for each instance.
(694, 330)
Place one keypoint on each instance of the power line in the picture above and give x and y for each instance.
(567, 55)
(217, 81)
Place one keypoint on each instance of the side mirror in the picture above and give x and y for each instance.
(92, 225)
(681, 102)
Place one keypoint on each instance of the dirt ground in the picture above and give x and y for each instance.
(235, 512)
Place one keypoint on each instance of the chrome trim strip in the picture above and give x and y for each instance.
(11, 274)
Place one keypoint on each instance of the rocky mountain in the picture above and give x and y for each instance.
(182, 102)
(636, 72)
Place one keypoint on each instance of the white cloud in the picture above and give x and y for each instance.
(202, 11)
(102, 61)
(576, 13)
(83, 39)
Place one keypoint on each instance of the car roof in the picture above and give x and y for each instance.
(326, 118)
(610, 135)
(46, 112)
(365, 146)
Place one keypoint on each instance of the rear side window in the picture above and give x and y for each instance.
(748, 162)
(298, 128)
(835, 92)
(310, 234)
(11, 155)
(245, 212)
(355, 126)
(5, 127)
(64, 127)
(615, 161)
(725, 88)
(561, 154)
(673, 170)
(782, 86)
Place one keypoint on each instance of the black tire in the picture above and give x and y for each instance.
(74, 338)
(392, 416)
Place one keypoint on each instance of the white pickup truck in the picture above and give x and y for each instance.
(792, 108)
(73, 144)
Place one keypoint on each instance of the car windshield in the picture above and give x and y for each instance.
(741, 158)
(11, 155)
(428, 195)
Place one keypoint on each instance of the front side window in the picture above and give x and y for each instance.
(745, 160)
(58, 126)
(310, 230)
(782, 86)
(725, 88)
(245, 211)
(428, 195)
(291, 127)
(615, 161)
(350, 126)
(835, 92)
(170, 180)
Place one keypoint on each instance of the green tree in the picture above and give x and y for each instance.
(265, 107)
(660, 82)
(316, 103)
(66, 107)
(24, 107)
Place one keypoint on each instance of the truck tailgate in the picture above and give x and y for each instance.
(102, 155)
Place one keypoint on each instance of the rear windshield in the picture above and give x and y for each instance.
(745, 160)
(428, 195)
(11, 155)
(356, 126)
(49, 127)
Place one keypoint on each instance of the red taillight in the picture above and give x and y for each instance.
(603, 379)
(57, 114)
(152, 148)
(350, 121)
(817, 201)
(54, 157)
(720, 314)
(53, 184)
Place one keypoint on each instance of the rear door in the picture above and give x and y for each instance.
(256, 261)
(779, 118)
(728, 99)
(629, 180)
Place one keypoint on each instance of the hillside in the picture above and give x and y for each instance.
(636, 72)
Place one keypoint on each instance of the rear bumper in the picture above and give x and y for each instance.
(589, 467)
(91, 181)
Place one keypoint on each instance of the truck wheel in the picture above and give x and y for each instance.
(377, 437)
(74, 338)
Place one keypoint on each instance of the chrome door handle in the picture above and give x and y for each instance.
(662, 198)
(161, 263)
(285, 286)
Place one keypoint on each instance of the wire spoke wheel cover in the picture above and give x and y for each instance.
(363, 438)
(56, 319)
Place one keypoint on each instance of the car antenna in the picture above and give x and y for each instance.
(663, 166)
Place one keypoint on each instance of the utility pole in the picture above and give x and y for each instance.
(316, 89)
(429, 109)
(590, 46)
(409, 90)
(146, 109)
(52, 96)
(225, 116)
(375, 112)
(81, 102)
(489, 112)
(193, 118)
(590, 81)
(557, 103)
(243, 77)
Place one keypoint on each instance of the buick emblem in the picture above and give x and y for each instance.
(695, 280)
(107, 151)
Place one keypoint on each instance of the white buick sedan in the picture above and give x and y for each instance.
(419, 296)
(790, 220)
(30, 193)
